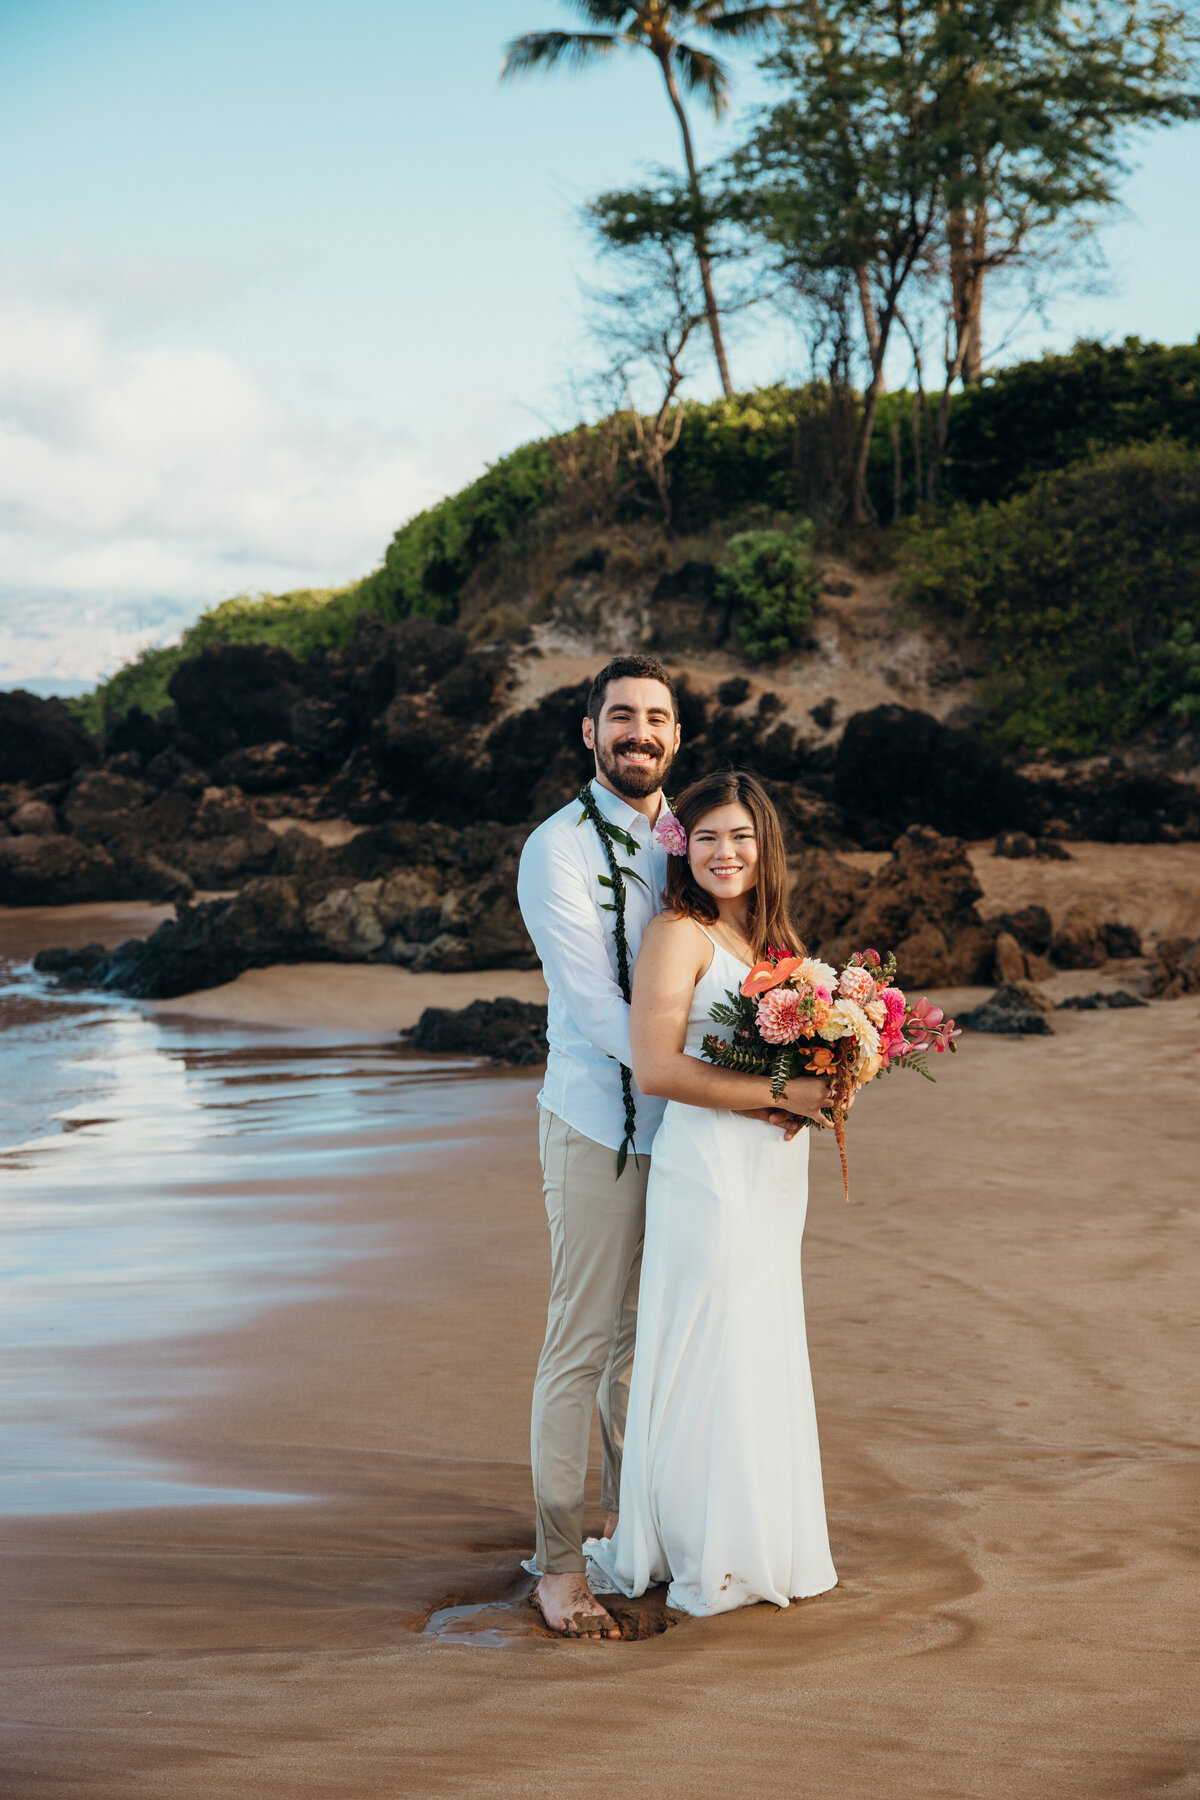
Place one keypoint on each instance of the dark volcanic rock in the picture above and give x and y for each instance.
(507, 1030)
(236, 694)
(536, 759)
(1011, 1011)
(1016, 844)
(56, 871)
(39, 740)
(99, 802)
(1079, 943)
(1030, 925)
(1121, 941)
(1110, 802)
(826, 895)
(73, 966)
(136, 733)
(1176, 969)
(266, 768)
(212, 943)
(896, 767)
(1117, 1001)
(922, 903)
(33, 818)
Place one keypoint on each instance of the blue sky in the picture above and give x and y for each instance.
(274, 274)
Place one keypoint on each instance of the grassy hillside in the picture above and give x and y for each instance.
(1010, 556)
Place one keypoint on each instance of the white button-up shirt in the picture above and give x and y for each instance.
(562, 900)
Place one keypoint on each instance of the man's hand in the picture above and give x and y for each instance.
(787, 1122)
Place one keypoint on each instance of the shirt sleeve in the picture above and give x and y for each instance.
(559, 906)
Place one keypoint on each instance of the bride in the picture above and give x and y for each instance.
(721, 1478)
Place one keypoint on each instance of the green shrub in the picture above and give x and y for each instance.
(770, 579)
(777, 448)
(1085, 592)
(1059, 410)
(309, 619)
(429, 558)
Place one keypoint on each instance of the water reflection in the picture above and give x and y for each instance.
(149, 1172)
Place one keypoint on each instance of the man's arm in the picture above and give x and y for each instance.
(558, 904)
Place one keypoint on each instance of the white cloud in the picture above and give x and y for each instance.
(137, 486)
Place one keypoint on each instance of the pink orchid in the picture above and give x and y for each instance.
(670, 834)
(925, 1015)
(946, 1036)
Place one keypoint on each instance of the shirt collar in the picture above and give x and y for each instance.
(619, 812)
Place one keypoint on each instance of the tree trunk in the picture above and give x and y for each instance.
(973, 359)
(861, 510)
(968, 239)
(699, 240)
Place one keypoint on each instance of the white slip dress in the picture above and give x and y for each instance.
(721, 1476)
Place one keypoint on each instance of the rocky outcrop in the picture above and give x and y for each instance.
(1018, 844)
(1175, 970)
(1083, 941)
(1014, 1010)
(209, 944)
(922, 903)
(55, 871)
(441, 901)
(1117, 1001)
(39, 740)
(233, 695)
(507, 1030)
(896, 767)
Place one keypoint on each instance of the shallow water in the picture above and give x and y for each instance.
(151, 1172)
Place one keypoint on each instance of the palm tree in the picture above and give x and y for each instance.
(651, 25)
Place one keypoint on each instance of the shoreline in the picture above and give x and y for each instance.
(1002, 1391)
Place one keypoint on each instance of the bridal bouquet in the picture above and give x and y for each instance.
(794, 1015)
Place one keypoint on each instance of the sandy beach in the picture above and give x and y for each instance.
(1003, 1339)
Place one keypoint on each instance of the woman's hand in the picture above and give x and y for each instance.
(805, 1096)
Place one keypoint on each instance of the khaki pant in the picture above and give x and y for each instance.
(596, 1225)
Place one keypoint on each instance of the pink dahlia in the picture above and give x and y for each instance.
(856, 985)
(895, 1003)
(779, 1016)
(670, 834)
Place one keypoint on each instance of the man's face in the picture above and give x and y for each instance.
(635, 737)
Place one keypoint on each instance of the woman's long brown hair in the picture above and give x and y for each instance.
(770, 919)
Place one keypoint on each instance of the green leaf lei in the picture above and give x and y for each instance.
(614, 836)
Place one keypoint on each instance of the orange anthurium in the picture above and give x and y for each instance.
(766, 975)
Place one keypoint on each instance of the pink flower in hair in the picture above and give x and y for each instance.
(670, 834)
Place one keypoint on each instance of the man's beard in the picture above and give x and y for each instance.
(644, 778)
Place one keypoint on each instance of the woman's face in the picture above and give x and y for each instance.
(723, 852)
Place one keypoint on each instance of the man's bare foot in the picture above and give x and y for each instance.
(571, 1609)
(610, 1523)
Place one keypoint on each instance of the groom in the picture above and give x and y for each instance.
(596, 1216)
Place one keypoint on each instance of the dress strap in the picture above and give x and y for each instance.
(715, 947)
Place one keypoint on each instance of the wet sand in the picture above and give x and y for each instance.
(1003, 1338)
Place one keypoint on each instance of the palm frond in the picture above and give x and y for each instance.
(604, 12)
(744, 22)
(552, 49)
(701, 73)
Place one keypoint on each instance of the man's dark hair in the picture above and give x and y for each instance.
(629, 668)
